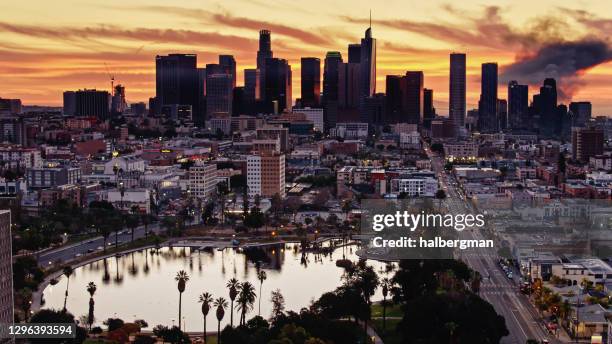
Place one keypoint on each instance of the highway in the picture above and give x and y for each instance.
(522, 320)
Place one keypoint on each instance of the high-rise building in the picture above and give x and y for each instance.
(580, 112)
(367, 76)
(545, 106)
(92, 103)
(6, 269)
(456, 100)
(228, 64)
(586, 142)
(348, 86)
(239, 102)
(518, 105)
(266, 174)
(374, 110)
(176, 81)
(413, 98)
(118, 102)
(502, 114)
(219, 94)
(395, 85)
(429, 112)
(251, 85)
(311, 81)
(69, 103)
(10, 106)
(264, 52)
(333, 61)
(203, 180)
(354, 53)
(277, 88)
(487, 106)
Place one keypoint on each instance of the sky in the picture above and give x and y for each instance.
(47, 47)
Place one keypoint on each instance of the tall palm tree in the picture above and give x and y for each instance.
(221, 305)
(67, 271)
(181, 277)
(246, 299)
(261, 276)
(233, 286)
(91, 289)
(386, 285)
(205, 299)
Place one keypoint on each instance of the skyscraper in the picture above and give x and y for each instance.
(251, 85)
(92, 103)
(6, 269)
(545, 106)
(502, 114)
(487, 106)
(518, 105)
(586, 142)
(580, 112)
(219, 92)
(176, 81)
(311, 81)
(333, 61)
(348, 86)
(354, 53)
(277, 88)
(456, 101)
(395, 85)
(228, 64)
(412, 99)
(69, 103)
(264, 52)
(429, 112)
(367, 76)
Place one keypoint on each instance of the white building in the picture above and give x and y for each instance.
(350, 130)
(461, 149)
(22, 158)
(203, 180)
(141, 198)
(415, 186)
(314, 115)
(410, 140)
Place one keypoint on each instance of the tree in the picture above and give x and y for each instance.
(205, 299)
(131, 222)
(278, 304)
(261, 276)
(233, 285)
(221, 305)
(91, 289)
(386, 286)
(181, 277)
(440, 196)
(246, 299)
(67, 271)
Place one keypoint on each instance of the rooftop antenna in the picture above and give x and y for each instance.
(112, 79)
(370, 18)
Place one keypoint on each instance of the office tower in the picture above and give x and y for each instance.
(69, 103)
(456, 98)
(395, 85)
(92, 103)
(277, 90)
(429, 112)
(10, 106)
(176, 80)
(251, 85)
(239, 101)
(348, 89)
(6, 269)
(311, 82)
(138, 109)
(203, 180)
(266, 174)
(219, 94)
(580, 113)
(545, 106)
(487, 106)
(354, 53)
(264, 52)
(228, 64)
(374, 109)
(333, 61)
(518, 105)
(502, 114)
(413, 98)
(118, 103)
(200, 116)
(367, 60)
(586, 142)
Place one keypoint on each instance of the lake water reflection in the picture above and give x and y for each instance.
(140, 285)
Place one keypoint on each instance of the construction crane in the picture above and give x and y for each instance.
(112, 79)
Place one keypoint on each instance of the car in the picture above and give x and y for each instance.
(90, 242)
(78, 255)
(99, 248)
(90, 250)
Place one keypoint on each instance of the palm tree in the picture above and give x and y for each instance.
(233, 286)
(205, 299)
(386, 285)
(67, 271)
(91, 289)
(221, 305)
(181, 277)
(261, 276)
(246, 299)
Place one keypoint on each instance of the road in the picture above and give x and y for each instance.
(68, 252)
(522, 320)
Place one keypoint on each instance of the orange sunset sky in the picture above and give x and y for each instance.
(47, 47)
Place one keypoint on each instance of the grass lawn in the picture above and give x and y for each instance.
(393, 311)
(389, 336)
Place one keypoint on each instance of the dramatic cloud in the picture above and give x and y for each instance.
(562, 61)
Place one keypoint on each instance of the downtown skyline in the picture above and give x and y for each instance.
(39, 62)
